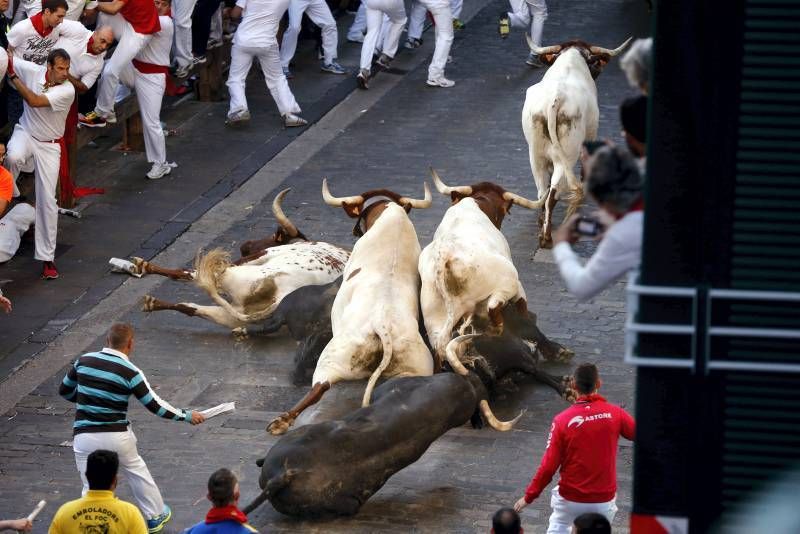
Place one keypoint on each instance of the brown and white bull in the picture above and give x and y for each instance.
(560, 112)
(257, 284)
(374, 318)
(468, 277)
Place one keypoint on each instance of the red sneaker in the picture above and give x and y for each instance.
(49, 272)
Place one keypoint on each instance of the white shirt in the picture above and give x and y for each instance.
(31, 46)
(15, 223)
(619, 252)
(46, 123)
(82, 64)
(260, 20)
(156, 51)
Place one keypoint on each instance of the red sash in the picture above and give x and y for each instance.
(149, 68)
(67, 186)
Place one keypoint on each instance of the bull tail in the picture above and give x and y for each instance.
(560, 163)
(258, 501)
(209, 268)
(386, 341)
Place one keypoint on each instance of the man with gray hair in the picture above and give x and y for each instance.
(615, 183)
(636, 63)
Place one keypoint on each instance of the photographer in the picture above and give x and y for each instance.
(615, 183)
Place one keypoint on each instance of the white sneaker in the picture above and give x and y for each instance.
(355, 37)
(291, 120)
(183, 72)
(238, 116)
(110, 117)
(160, 170)
(441, 81)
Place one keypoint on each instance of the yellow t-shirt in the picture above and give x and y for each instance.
(98, 511)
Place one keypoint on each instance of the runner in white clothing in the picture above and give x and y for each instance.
(48, 96)
(34, 7)
(134, 22)
(147, 76)
(320, 14)
(376, 9)
(443, 20)
(255, 38)
(525, 13)
(32, 39)
(15, 223)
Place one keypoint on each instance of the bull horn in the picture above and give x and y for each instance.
(331, 200)
(494, 422)
(283, 220)
(541, 50)
(419, 204)
(447, 190)
(522, 201)
(612, 53)
(455, 349)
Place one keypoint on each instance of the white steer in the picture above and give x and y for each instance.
(560, 112)
(468, 277)
(374, 318)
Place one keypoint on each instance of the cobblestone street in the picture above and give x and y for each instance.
(469, 133)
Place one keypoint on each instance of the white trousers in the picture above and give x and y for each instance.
(130, 43)
(149, 90)
(216, 25)
(182, 18)
(456, 6)
(131, 467)
(359, 25)
(443, 19)
(242, 58)
(396, 11)
(529, 12)
(320, 14)
(46, 160)
(565, 512)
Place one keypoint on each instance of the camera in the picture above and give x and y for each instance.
(588, 227)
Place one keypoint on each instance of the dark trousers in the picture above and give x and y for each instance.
(201, 25)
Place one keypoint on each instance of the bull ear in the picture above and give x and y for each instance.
(278, 237)
(352, 210)
(549, 59)
(455, 196)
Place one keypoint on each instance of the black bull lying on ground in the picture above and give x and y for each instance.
(334, 467)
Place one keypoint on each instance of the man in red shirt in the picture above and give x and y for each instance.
(582, 446)
(134, 23)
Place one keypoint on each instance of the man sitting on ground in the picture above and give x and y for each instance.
(99, 510)
(225, 517)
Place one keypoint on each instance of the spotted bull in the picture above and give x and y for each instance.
(256, 284)
(559, 113)
(374, 315)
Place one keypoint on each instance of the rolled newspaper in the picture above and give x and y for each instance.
(36, 510)
(118, 265)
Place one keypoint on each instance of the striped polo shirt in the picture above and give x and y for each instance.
(100, 384)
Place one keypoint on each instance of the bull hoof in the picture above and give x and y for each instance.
(240, 332)
(280, 424)
(140, 264)
(148, 304)
(568, 392)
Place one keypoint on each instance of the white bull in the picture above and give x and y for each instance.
(559, 114)
(374, 318)
(467, 273)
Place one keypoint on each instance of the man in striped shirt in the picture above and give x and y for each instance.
(100, 383)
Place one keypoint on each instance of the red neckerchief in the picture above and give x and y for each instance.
(225, 513)
(89, 45)
(637, 206)
(38, 25)
(591, 397)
